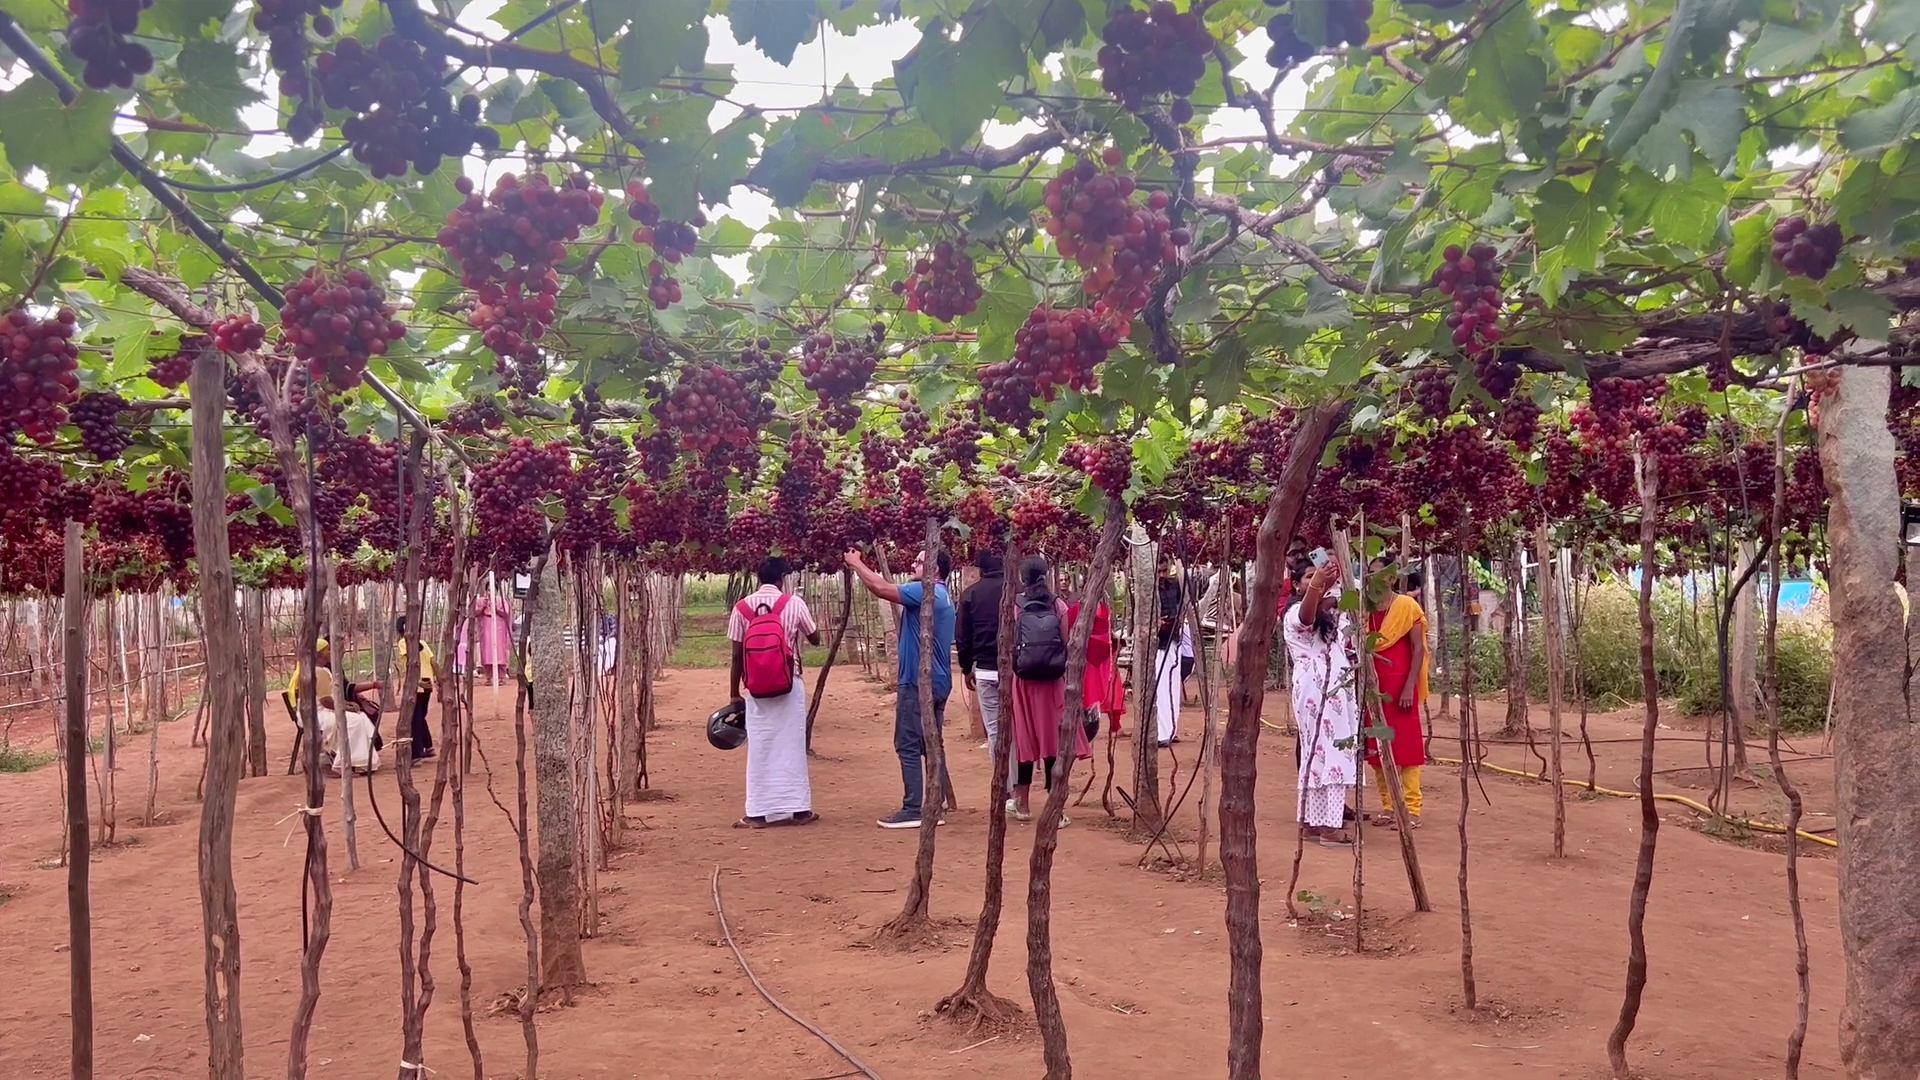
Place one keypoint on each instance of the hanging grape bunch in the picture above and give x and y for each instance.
(1519, 420)
(914, 425)
(238, 334)
(1053, 348)
(38, 362)
(335, 324)
(98, 418)
(958, 441)
(1108, 463)
(944, 285)
(671, 240)
(663, 290)
(1472, 278)
(525, 222)
(1035, 516)
(837, 368)
(1433, 392)
(1158, 51)
(1793, 333)
(1120, 243)
(175, 368)
(476, 417)
(98, 33)
(1346, 24)
(1807, 251)
(711, 406)
(286, 22)
(402, 114)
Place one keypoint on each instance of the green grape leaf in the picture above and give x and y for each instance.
(656, 42)
(67, 142)
(1508, 73)
(1871, 131)
(777, 27)
(215, 89)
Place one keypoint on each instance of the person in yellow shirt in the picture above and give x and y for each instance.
(363, 712)
(419, 729)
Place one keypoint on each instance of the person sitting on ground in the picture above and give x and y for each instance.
(418, 729)
(765, 629)
(908, 743)
(361, 709)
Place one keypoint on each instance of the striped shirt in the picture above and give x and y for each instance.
(795, 618)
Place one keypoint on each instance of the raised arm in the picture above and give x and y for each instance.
(875, 584)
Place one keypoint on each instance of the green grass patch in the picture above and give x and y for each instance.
(14, 759)
(704, 644)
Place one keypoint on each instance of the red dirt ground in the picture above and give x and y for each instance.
(1140, 957)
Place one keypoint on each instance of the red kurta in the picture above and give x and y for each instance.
(1392, 667)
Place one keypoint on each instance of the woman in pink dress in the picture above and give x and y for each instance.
(1038, 706)
(490, 622)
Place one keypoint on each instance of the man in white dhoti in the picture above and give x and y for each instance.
(1325, 705)
(779, 791)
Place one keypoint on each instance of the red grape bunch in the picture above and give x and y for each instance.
(1433, 392)
(712, 406)
(403, 114)
(1346, 24)
(519, 478)
(1796, 334)
(238, 334)
(1121, 243)
(476, 417)
(1807, 251)
(174, 369)
(525, 222)
(335, 324)
(38, 363)
(662, 288)
(285, 22)
(1108, 463)
(914, 425)
(98, 32)
(1053, 348)
(1158, 51)
(958, 440)
(1472, 278)
(1519, 420)
(671, 240)
(944, 285)
(98, 418)
(1035, 515)
(838, 368)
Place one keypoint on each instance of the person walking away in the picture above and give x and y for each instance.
(977, 633)
(766, 627)
(1039, 688)
(418, 729)
(1324, 704)
(908, 743)
(1401, 667)
(1102, 691)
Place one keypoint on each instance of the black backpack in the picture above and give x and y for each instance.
(1039, 641)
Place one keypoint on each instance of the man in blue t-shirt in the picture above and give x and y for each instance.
(907, 740)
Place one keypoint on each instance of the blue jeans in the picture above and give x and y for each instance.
(912, 749)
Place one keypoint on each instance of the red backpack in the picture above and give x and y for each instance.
(766, 665)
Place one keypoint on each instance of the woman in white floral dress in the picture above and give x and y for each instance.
(1325, 705)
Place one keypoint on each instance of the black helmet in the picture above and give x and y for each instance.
(727, 727)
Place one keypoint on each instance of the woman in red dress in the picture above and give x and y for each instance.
(1400, 666)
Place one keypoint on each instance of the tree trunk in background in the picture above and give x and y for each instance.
(226, 736)
(1514, 644)
(1046, 826)
(1143, 609)
(1550, 626)
(1876, 740)
(1646, 472)
(1239, 749)
(79, 862)
(933, 804)
(561, 963)
(1744, 695)
(254, 695)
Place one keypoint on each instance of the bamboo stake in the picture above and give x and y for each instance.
(1550, 625)
(79, 864)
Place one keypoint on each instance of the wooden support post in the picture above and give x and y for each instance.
(79, 863)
